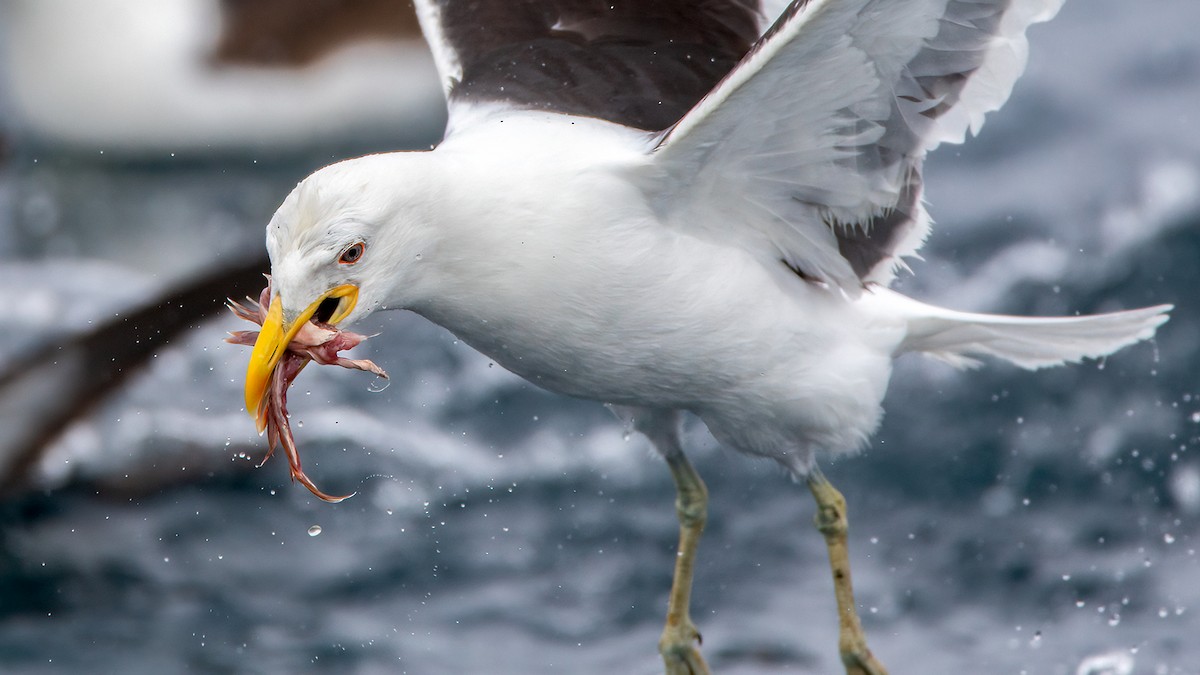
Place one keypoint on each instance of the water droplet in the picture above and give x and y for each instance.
(1169, 538)
(314, 530)
(378, 384)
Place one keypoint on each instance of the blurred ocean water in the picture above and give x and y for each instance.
(1001, 521)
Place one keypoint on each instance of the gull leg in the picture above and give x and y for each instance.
(678, 644)
(831, 522)
(680, 639)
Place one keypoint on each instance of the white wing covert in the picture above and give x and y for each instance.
(810, 151)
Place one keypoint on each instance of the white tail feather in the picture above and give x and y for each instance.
(1029, 342)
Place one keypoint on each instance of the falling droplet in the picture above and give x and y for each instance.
(378, 384)
(314, 530)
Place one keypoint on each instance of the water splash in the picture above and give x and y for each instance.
(1108, 663)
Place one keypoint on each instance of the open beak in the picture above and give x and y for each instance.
(275, 336)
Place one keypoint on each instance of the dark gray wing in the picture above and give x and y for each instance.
(640, 63)
(810, 151)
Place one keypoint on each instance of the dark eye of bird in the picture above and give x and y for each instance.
(353, 254)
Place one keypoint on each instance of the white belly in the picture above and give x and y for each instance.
(774, 366)
(582, 291)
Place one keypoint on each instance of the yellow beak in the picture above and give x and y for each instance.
(273, 339)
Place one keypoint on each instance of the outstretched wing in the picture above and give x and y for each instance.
(640, 63)
(810, 151)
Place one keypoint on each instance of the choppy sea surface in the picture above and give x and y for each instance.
(1001, 521)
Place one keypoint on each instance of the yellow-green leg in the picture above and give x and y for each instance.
(679, 644)
(831, 522)
(680, 639)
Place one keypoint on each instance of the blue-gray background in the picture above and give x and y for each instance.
(1002, 521)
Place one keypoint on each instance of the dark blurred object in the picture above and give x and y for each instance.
(285, 32)
(50, 389)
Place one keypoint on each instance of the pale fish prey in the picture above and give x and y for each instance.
(312, 342)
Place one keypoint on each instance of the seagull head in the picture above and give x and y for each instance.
(347, 241)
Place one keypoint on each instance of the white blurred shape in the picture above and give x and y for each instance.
(1185, 488)
(1108, 663)
(1168, 191)
(134, 76)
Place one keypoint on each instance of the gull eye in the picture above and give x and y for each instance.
(353, 253)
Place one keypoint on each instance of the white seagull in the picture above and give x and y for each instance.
(678, 206)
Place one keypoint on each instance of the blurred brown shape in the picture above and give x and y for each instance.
(291, 33)
(66, 378)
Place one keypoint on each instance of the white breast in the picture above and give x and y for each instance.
(578, 288)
